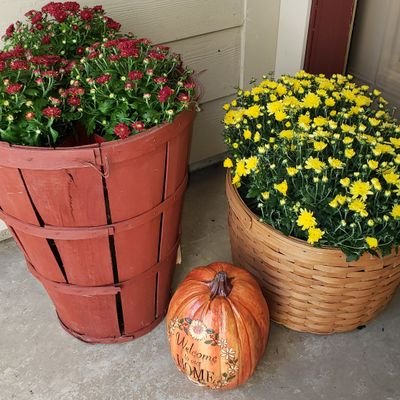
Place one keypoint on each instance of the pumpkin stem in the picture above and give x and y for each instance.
(220, 285)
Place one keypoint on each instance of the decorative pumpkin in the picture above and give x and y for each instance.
(218, 325)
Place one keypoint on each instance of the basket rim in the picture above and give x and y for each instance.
(329, 250)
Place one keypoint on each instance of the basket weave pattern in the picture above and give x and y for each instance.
(309, 289)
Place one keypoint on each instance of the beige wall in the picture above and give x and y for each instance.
(375, 49)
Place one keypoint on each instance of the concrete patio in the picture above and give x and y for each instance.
(40, 361)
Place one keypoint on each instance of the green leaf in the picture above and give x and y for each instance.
(32, 92)
(106, 106)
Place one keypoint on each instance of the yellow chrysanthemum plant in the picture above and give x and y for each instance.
(318, 158)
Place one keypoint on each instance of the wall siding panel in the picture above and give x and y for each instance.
(216, 59)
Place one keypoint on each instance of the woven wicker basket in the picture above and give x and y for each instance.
(309, 289)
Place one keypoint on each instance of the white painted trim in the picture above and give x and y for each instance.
(294, 19)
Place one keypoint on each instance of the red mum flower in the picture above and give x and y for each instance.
(54, 101)
(50, 74)
(46, 60)
(36, 17)
(72, 6)
(122, 130)
(2, 65)
(189, 85)
(114, 57)
(10, 30)
(60, 15)
(164, 94)
(160, 79)
(111, 24)
(74, 101)
(155, 55)
(51, 112)
(75, 91)
(138, 126)
(128, 86)
(93, 54)
(183, 97)
(87, 14)
(30, 13)
(46, 39)
(101, 80)
(19, 65)
(39, 27)
(29, 115)
(14, 88)
(98, 9)
(135, 75)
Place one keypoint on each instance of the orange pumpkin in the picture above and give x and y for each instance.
(218, 325)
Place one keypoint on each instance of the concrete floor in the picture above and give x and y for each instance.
(40, 361)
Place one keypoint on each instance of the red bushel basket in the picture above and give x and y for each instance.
(99, 226)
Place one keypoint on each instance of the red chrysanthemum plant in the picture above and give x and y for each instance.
(35, 66)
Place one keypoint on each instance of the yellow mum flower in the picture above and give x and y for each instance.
(306, 219)
(241, 168)
(395, 142)
(362, 101)
(319, 146)
(275, 106)
(257, 137)
(358, 206)
(232, 117)
(335, 163)
(337, 200)
(286, 134)
(373, 164)
(304, 119)
(280, 115)
(228, 163)
(311, 100)
(371, 242)
(236, 180)
(374, 121)
(349, 153)
(253, 111)
(265, 195)
(396, 211)
(391, 177)
(281, 90)
(377, 92)
(345, 182)
(382, 148)
(314, 235)
(281, 187)
(247, 134)
(291, 171)
(234, 103)
(348, 95)
(360, 189)
(315, 164)
(251, 164)
(320, 121)
(348, 140)
(226, 106)
(376, 184)
(330, 102)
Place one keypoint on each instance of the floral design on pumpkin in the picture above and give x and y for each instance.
(199, 331)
